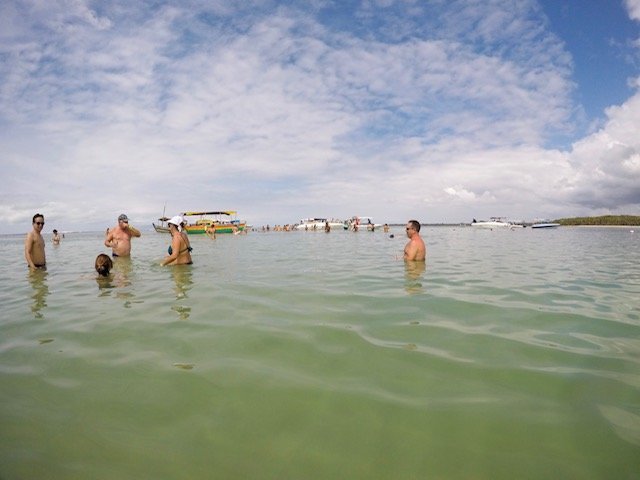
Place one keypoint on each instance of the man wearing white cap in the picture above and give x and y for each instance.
(119, 237)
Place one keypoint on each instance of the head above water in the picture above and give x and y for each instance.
(38, 219)
(413, 224)
(104, 264)
(177, 221)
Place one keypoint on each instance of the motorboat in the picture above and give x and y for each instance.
(545, 225)
(317, 224)
(494, 222)
(356, 224)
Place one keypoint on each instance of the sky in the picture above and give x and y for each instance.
(435, 110)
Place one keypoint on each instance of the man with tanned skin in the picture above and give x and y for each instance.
(415, 249)
(34, 245)
(119, 237)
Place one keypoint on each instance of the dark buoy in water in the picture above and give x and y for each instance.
(391, 236)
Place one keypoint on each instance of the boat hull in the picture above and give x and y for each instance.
(356, 224)
(545, 225)
(318, 226)
(160, 228)
(491, 225)
(220, 228)
(367, 226)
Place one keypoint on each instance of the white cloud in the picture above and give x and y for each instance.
(606, 162)
(633, 7)
(281, 116)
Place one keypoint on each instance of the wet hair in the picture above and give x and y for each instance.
(36, 216)
(415, 224)
(104, 264)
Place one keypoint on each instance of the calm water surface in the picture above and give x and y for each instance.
(514, 354)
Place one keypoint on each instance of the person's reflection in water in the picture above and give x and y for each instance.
(413, 276)
(121, 273)
(105, 285)
(38, 281)
(183, 278)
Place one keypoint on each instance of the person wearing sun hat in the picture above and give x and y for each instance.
(119, 237)
(179, 251)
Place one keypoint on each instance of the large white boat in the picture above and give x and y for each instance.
(361, 223)
(494, 222)
(318, 224)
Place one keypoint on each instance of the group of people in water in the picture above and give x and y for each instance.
(178, 253)
(117, 238)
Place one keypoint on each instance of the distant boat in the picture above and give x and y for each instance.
(317, 224)
(224, 222)
(494, 222)
(162, 228)
(545, 225)
(361, 223)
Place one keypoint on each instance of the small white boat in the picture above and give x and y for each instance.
(318, 224)
(545, 225)
(356, 224)
(494, 222)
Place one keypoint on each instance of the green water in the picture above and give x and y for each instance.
(515, 354)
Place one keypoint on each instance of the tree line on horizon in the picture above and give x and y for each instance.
(625, 220)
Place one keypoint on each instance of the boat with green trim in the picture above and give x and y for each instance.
(224, 221)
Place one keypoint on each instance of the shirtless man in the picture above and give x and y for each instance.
(34, 245)
(56, 237)
(119, 237)
(415, 249)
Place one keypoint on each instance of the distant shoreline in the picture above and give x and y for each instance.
(602, 226)
(528, 225)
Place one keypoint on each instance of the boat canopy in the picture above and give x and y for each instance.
(227, 212)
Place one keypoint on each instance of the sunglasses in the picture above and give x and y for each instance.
(39, 223)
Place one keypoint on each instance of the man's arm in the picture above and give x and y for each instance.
(134, 231)
(410, 251)
(108, 241)
(28, 245)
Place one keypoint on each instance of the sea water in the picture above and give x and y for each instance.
(511, 354)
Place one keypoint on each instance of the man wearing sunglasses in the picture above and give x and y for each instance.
(119, 237)
(415, 249)
(34, 245)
